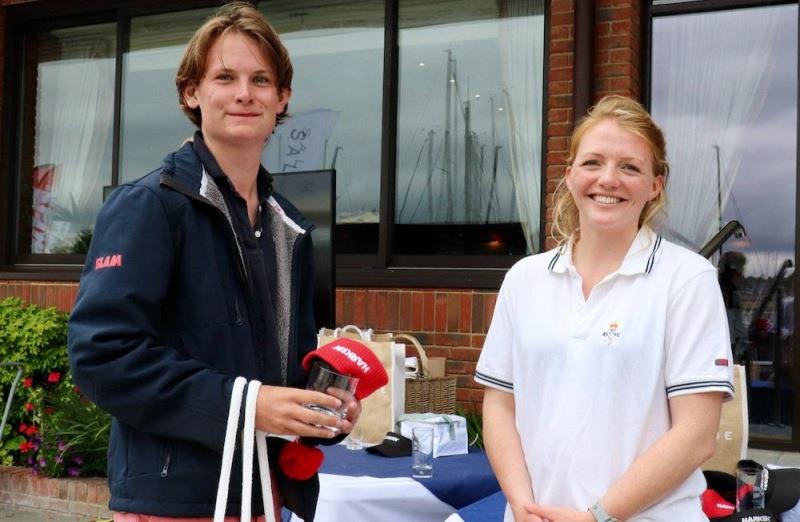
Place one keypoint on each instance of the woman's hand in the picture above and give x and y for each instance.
(558, 514)
(521, 514)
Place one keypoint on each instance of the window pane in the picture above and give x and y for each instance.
(469, 127)
(68, 112)
(725, 92)
(153, 124)
(336, 106)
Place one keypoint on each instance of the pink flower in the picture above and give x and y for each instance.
(54, 377)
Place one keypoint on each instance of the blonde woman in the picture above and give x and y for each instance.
(608, 359)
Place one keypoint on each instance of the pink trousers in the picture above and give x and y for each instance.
(136, 517)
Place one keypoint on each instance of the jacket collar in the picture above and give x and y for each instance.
(184, 171)
(640, 258)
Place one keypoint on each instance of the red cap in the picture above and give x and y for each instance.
(714, 506)
(350, 357)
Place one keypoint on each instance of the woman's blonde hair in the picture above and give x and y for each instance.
(631, 116)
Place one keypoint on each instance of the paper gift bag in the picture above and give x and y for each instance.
(733, 428)
(381, 410)
(449, 431)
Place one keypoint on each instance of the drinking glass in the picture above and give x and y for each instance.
(422, 452)
(326, 380)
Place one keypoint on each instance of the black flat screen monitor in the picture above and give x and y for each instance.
(313, 192)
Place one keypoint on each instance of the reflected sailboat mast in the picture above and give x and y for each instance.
(447, 153)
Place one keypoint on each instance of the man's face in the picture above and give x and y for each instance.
(238, 95)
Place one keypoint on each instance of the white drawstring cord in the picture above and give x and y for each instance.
(227, 450)
(247, 448)
(266, 477)
(249, 433)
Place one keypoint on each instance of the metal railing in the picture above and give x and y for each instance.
(731, 228)
(10, 397)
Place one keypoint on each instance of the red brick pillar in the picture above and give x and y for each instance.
(617, 48)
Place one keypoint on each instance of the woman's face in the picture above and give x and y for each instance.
(611, 179)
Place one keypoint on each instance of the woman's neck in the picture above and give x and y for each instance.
(595, 256)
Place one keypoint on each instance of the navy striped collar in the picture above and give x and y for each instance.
(640, 259)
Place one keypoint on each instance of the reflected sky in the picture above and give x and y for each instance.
(763, 195)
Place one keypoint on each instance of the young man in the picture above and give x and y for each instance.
(212, 278)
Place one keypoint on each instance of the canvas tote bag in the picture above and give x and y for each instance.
(381, 410)
(733, 428)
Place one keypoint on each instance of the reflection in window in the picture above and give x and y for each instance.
(152, 123)
(725, 93)
(68, 112)
(336, 106)
(469, 127)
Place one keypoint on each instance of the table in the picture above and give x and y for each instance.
(489, 509)
(357, 486)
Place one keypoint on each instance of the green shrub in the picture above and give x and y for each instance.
(51, 427)
(474, 428)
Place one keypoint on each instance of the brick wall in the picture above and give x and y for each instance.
(43, 294)
(560, 90)
(448, 323)
(617, 43)
(81, 496)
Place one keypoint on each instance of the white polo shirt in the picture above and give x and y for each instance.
(591, 378)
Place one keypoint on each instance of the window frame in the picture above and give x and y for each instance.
(382, 268)
(707, 6)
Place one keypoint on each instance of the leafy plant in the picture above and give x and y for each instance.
(474, 428)
(51, 427)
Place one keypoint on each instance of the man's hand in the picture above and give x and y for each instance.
(282, 411)
(353, 406)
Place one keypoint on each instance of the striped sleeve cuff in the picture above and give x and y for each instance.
(701, 387)
(493, 382)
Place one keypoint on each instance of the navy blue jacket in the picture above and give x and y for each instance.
(160, 330)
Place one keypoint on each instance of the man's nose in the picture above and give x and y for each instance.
(244, 93)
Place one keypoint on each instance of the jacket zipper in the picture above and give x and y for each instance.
(238, 312)
(165, 469)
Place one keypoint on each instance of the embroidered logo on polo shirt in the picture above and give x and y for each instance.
(613, 333)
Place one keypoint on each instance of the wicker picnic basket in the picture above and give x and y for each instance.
(428, 394)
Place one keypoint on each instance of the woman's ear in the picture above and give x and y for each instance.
(658, 186)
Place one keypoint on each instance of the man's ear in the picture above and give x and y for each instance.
(190, 97)
(283, 99)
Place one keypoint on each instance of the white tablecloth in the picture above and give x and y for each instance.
(369, 499)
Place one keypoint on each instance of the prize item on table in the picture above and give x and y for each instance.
(355, 440)
(412, 367)
(751, 486)
(449, 431)
(393, 445)
(422, 452)
(781, 496)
